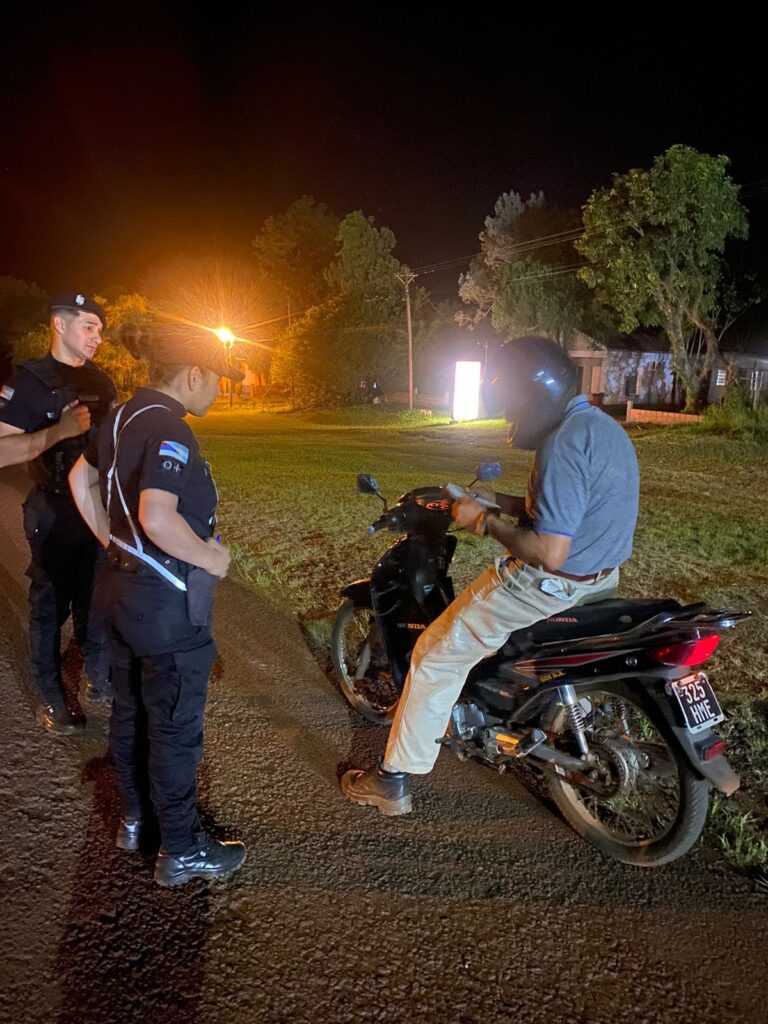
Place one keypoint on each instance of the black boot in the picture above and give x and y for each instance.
(128, 834)
(59, 720)
(386, 790)
(206, 858)
(98, 692)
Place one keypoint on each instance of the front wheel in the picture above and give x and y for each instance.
(361, 664)
(641, 801)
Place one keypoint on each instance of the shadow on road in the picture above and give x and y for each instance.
(130, 951)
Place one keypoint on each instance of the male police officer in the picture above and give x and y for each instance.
(48, 409)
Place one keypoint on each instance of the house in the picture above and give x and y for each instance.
(252, 385)
(744, 357)
(635, 366)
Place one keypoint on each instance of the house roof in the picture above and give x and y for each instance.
(641, 340)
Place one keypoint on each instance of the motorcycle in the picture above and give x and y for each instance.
(607, 701)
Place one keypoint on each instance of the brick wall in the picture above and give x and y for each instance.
(650, 416)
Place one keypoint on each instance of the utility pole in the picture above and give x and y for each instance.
(406, 278)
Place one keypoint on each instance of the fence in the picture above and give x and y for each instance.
(654, 416)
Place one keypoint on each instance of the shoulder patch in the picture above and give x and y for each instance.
(7, 393)
(174, 450)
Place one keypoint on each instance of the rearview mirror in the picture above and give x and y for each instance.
(488, 471)
(366, 484)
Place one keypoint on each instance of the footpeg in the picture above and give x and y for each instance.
(529, 743)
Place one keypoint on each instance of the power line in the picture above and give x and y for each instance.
(750, 190)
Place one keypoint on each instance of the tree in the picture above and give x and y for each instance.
(533, 298)
(22, 308)
(524, 277)
(358, 333)
(502, 234)
(126, 373)
(654, 243)
(22, 312)
(294, 249)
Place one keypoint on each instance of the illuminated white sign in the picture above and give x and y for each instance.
(466, 391)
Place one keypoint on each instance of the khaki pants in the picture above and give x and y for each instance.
(506, 597)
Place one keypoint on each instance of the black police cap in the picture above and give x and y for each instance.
(76, 302)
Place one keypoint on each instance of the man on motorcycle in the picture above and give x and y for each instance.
(575, 528)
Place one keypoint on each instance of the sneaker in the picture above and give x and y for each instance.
(59, 720)
(205, 858)
(386, 790)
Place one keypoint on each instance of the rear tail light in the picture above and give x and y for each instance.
(712, 750)
(692, 652)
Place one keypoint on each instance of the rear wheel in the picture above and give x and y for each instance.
(641, 802)
(361, 664)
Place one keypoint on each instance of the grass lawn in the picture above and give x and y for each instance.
(290, 511)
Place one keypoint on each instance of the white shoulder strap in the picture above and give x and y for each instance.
(137, 548)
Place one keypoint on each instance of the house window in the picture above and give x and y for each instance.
(720, 378)
(630, 385)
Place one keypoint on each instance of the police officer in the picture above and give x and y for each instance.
(49, 409)
(147, 493)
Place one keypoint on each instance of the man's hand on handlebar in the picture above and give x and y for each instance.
(467, 513)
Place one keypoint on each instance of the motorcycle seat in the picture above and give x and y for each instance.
(598, 619)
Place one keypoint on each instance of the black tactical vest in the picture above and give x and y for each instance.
(50, 470)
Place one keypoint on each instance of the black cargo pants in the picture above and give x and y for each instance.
(160, 669)
(66, 559)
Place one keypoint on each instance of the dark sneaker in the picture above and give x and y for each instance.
(206, 858)
(98, 693)
(128, 834)
(386, 790)
(59, 720)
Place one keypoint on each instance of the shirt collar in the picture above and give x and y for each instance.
(153, 397)
(578, 402)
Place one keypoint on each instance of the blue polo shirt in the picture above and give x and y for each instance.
(584, 484)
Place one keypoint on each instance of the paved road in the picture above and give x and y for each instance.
(482, 907)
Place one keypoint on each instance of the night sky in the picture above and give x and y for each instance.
(127, 140)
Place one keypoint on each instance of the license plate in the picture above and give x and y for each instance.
(698, 702)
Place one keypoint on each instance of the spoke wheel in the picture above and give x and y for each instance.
(640, 801)
(361, 665)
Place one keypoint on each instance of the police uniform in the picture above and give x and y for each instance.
(64, 551)
(160, 613)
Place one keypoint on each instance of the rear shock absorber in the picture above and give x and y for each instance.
(575, 717)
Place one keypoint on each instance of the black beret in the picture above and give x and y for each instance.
(77, 302)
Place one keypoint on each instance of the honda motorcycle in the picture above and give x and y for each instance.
(608, 701)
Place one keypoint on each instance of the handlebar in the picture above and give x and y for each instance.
(386, 521)
(457, 493)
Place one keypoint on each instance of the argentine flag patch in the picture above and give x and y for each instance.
(174, 450)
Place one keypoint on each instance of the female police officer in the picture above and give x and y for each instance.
(148, 495)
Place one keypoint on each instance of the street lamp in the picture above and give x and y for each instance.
(227, 338)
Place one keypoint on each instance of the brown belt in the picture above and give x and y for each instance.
(592, 578)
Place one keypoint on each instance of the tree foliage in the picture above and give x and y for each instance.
(293, 250)
(654, 243)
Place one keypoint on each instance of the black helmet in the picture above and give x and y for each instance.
(530, 383)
